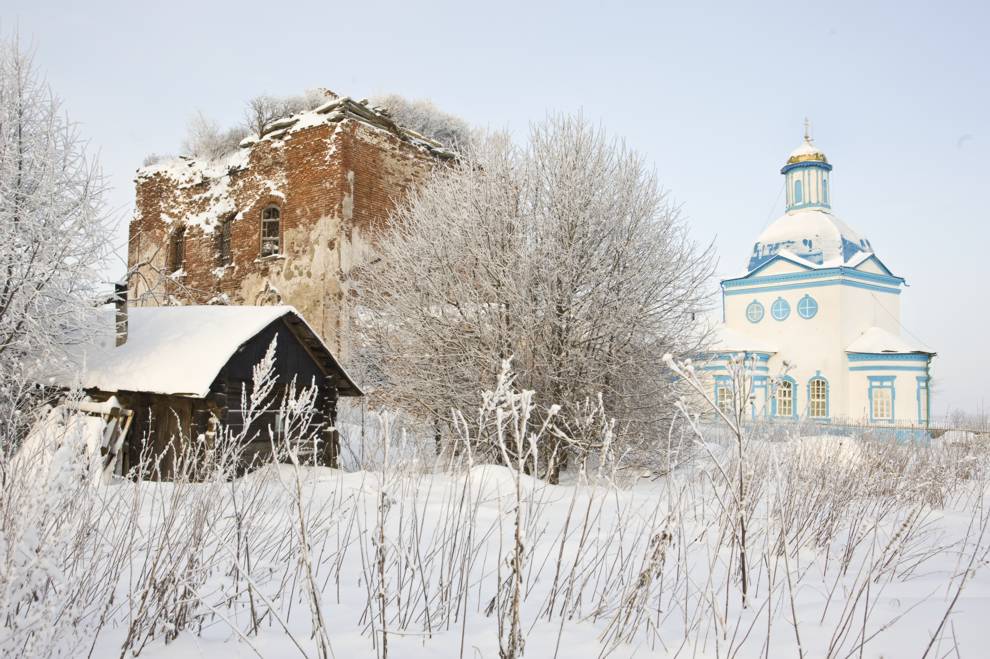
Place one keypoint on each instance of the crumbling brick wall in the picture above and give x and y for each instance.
(334, 175)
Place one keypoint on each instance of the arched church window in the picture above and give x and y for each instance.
(223, 241)
(271, 231)
(807, 307)
(723, 398)
(824, 190)
(785, 398)
(798, 192)
(780, 309)
(818, 398)
(754, 312)
(177, 249)
(881, 398)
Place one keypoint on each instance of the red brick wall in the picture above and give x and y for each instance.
(335, 183)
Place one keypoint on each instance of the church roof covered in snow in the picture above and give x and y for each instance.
(181, 350)
(877, 340)
(813, 234)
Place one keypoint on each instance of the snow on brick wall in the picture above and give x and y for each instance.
(335, 183)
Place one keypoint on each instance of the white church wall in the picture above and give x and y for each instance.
(863, 309)
(905, 401)
(812, 346)
(816, 347)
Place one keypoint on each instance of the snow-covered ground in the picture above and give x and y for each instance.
(848, 544)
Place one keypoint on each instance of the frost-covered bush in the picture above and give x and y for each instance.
(155, 158)
(54, 233)
(206, 139)
(424, 117)
(262, 110)
(563, 254)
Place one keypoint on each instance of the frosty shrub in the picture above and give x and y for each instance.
(206, 139)
(54, 231)
(424, 117)
(263, 110)
(563, 254)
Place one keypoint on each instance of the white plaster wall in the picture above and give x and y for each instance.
(863, 309)
(811, 346)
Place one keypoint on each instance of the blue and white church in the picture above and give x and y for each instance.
(818, 313)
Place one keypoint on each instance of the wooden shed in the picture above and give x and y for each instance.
(179, 373)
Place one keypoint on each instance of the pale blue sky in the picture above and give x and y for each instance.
(713, 94)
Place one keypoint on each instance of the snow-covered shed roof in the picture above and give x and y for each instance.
(725, 339)
(877, 340)
(181, 350)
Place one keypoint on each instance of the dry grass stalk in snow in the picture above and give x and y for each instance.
(851, 546)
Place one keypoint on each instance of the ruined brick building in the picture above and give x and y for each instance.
(283, 220)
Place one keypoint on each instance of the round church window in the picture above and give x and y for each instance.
(780, 309)
(807, 307)
(754, 312)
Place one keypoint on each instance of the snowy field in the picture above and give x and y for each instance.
(851, 548)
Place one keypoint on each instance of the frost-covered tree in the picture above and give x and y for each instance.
(54, 227)
(263, 110)
(206, 139)
(564, 255)
(430, 121)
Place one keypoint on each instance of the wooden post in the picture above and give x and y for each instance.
(331, 438)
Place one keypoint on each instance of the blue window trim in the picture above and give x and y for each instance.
(828, 397)
(794, 399)
(797, 197)
(759, 383)
(814, 311)
(923, 385)
(883, 382)
(780, 309)
(755, 304)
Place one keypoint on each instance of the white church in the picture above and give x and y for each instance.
(817, 315)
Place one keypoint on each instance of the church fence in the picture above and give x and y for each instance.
(782, 429)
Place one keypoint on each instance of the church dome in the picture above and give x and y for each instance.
(807, 152)
(808, 229)
(814, 234)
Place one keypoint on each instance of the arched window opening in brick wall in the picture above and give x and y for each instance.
(271, 231)
(177, 249)
(224, 253)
